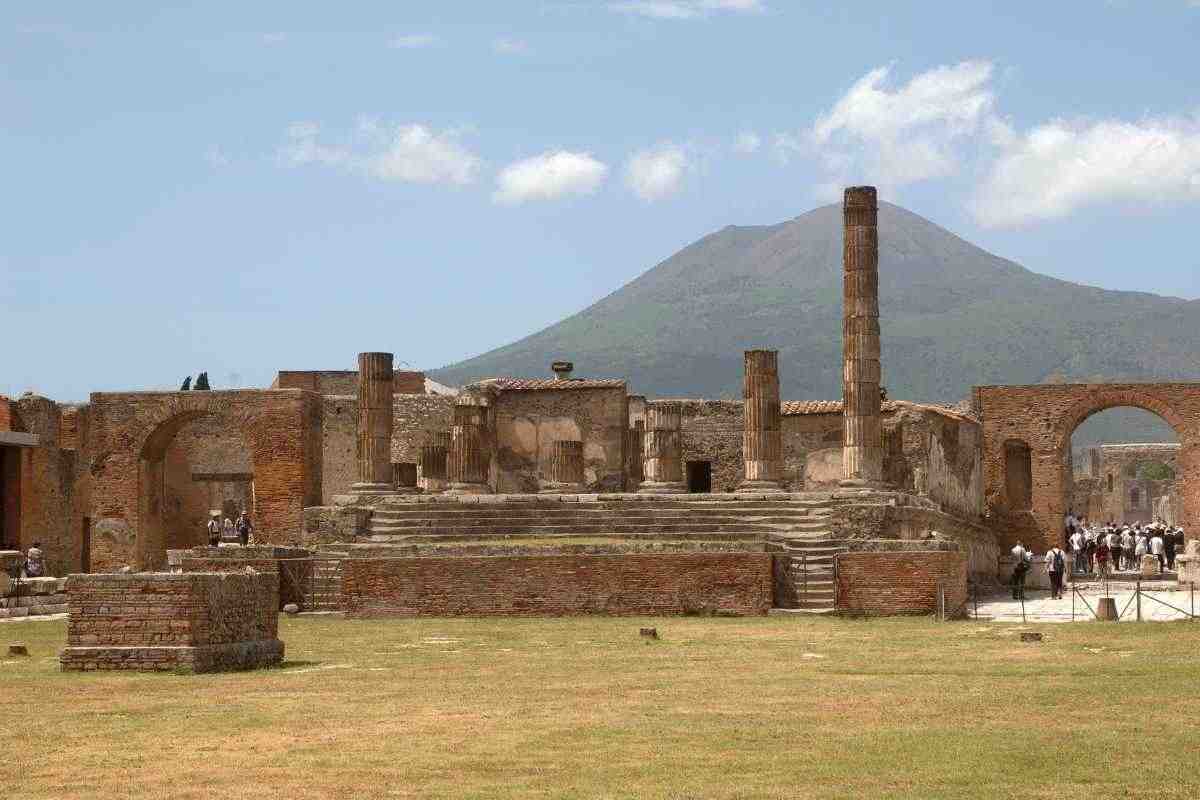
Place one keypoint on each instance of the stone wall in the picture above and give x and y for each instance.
(527, 423)
(886, 583)
(293, 565)
(712, 431)
(200, 622)
(416, 421)
(50, 488)
(692, 583)
(1043, 418)
(343, 382)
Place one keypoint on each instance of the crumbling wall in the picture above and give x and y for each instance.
(527, 423)
(691, 583)
(887, 583)
(339, 442)
(48, 486)
(201, 622)
(416, 421)
(712, 431)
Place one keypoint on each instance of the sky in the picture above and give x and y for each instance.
(247, 187)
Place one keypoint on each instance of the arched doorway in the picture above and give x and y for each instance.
(190, 466)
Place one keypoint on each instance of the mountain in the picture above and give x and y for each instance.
(952, 315)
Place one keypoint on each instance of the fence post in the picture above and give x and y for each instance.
(1138, 591)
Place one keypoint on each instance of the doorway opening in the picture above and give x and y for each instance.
(699, 477)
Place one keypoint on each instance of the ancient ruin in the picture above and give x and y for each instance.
(372, 493)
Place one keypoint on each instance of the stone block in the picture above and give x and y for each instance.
(1150, 565)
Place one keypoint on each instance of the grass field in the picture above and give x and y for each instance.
(717, 708)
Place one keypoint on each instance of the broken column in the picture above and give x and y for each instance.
(635, 438)
(662, 448)
(566, 468)
(862, 451)
(374, 423)
(467, 461)
(762, 438)
(432, 463)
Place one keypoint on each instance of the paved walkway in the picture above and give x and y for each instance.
(1040, 608)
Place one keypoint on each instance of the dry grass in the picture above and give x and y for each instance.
(719, 708)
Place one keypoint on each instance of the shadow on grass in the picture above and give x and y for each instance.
(298, 664)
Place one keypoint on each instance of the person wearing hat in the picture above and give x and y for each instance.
(214, 529)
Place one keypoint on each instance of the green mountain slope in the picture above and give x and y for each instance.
(953, 316)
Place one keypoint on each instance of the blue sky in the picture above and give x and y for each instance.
(250, 187)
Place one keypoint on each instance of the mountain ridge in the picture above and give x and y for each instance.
(953, 316)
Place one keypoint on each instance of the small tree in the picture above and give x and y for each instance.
(187, 384)
(202, 382)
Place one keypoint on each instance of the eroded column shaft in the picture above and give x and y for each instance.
(566, 467)
(762, 438)
(375, 382)
(467, 461)
(662, 448)
(862, 454)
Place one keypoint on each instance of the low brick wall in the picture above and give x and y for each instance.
(293, 565)
(895, 582)
(667, 584)
(203, 622)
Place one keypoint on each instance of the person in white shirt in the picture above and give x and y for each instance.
(1021, 557)
(1158, 549)
(1079, 549)
(1056, 563)
(1127, 548)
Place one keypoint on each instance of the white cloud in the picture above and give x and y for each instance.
(747, 142)
(548, 176)
(654, 174)
(277, 37)
(413, 41)
(505, 46)
(908, 134)
(685, 9)
(216, 157)
(1058, 167)
(401, 153)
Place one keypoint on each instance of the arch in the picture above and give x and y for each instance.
(1102, 399)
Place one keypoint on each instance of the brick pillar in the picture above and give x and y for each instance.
(663, 450)
(432, 463)
(566, 469)
(404, 477)
(762, 439)
(374, 423)
(862, 453)
(467, 463)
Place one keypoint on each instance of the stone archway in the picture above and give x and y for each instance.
(1046, 416)
(281, 429)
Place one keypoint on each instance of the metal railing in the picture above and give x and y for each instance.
(1135, 601)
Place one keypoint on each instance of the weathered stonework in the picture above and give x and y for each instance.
(467, 461)
(566, 468)
(660, 584)
(374, 423)
(863, 457)
(663, 454)
(762, 445)
(888, 582)
(200, 622)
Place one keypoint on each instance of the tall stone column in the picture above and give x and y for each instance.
(862, 452)
(467, 463)
(432, 462)
(566, 468)
(663, 450)
(762, 439)
(635, 441)
(374, 423)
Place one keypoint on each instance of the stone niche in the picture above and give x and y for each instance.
(196, 622)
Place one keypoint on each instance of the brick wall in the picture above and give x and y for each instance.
(162, 621)
(344, 382)
(6, 414)
(893, 583)
(292, 565)
(712, 431)
(737, 583)
(1044, 418)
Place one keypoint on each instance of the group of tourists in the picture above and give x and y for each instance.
(1099, 549)
(1102, 549)
(218, 531)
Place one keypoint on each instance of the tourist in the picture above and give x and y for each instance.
(227, 531)
(1079, 550)
(1102, 554)
(1140, 548)
(35, 563)
(1158, 550)
(1090, 551)
(214, 531)
(1056, 563)
(244, 528)
(1020, 567)
(1114, 548)
(1168, 537)
(1127, 545)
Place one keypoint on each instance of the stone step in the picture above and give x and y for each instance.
(440, 511)
(565, 536)
(597, 528)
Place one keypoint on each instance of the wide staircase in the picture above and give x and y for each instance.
(792, 526)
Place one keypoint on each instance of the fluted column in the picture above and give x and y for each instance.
(862, 453)
(467, 463)
(374, 423)
(663, 450)
(566, 468)
(762, 439)
(635, 437)
(432, 463)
